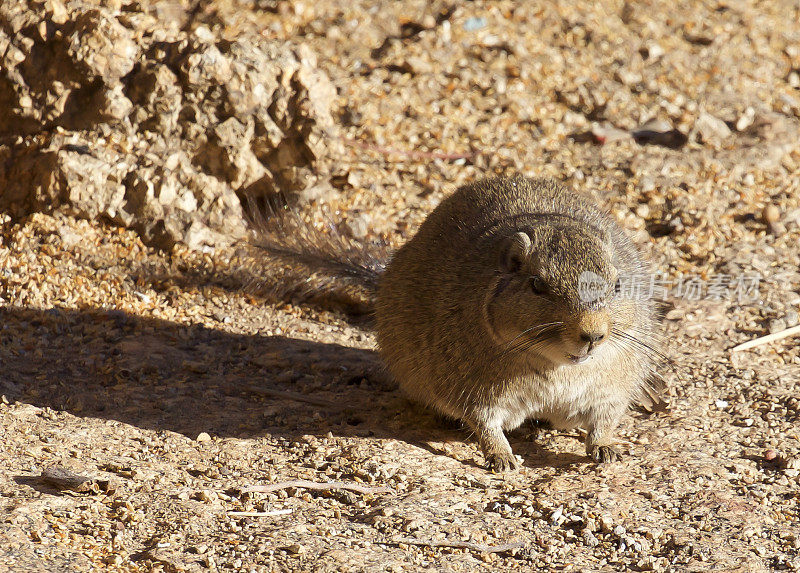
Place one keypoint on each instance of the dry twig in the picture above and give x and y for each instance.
(768, 338)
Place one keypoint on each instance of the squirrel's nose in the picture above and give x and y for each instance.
(594, 337)
(592, 328)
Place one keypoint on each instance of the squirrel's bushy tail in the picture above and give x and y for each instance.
(296, 259)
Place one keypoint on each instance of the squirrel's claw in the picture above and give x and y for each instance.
(501, 462)
(604, 454)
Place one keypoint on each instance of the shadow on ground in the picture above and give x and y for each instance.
(159, 375)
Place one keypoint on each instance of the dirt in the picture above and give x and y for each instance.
(160, 388)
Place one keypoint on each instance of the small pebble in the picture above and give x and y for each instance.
(776, 325)
(473, 24)
(746, 120)
(654, 51)
(589, 538)
(358, 226)
(607, 133)
(771, 213)
(606, 523)
(771, 216)
(711, 128)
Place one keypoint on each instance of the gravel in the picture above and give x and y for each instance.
(155, 374)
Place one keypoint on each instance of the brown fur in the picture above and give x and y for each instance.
(462, 311)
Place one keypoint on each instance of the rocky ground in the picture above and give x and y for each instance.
(134, 355)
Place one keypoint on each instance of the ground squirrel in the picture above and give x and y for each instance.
(506, 305)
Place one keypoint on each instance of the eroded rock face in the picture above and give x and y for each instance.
(114, 113)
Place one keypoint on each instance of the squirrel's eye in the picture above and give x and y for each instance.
(617, 287)
(538, 286)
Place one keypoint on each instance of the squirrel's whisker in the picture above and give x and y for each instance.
(544, 333)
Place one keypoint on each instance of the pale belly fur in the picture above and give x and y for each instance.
(570, 396)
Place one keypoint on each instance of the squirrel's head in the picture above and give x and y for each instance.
(557, 293)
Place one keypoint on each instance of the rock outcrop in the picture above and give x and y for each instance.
(115, 113)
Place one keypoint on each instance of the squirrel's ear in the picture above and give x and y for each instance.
(517, 249)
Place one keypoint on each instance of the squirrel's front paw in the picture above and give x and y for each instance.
(501, 462)
(604, 454)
